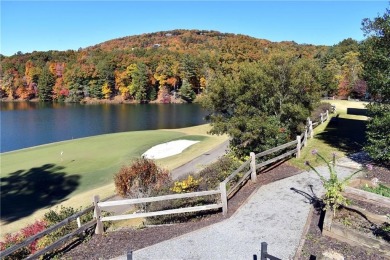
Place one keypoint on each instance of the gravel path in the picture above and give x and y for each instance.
(276, 213)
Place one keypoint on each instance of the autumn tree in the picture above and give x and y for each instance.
(351, 72)
(164, 71)
(31, 77)
(12, 80)
(106, 91)
(331, 77)
(376, 59)
(60, 92)
(122, 81)
(341, 68)
(5, 85)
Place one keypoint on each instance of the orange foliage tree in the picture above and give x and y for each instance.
(140, 179)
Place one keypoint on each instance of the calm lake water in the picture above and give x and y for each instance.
(26, 124)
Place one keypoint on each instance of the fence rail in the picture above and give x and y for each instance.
(276, 149)
(28, 241)
(233, 174)
(63, 240)
(225, 194)
(277, 158)
(99, 206)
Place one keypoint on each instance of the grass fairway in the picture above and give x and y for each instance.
(71, 172)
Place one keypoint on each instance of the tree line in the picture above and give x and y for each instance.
(140, 68)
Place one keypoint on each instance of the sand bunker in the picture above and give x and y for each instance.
(168, 149)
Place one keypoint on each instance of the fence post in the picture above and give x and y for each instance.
(253, 167)
(305, 138)
(322, 118)
(129, 255)
(311, 129)
(98, 215)
(222, 188)
(327, 114)
(263, 251)
(78, 222)
(298, 146)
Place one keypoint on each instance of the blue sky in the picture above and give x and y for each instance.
(60, 25)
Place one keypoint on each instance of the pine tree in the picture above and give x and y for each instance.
(45, 85)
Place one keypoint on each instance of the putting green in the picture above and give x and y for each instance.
(77, 169)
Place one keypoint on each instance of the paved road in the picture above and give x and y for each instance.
(200, 162)
(276, 213)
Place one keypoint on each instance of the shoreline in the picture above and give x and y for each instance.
(113, 100)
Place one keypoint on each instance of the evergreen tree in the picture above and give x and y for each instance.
(375, 55)
(140, 83)
(45, 85)
(263, 104)
(186, 92)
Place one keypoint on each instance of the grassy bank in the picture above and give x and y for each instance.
(71, 172)
(343, 134)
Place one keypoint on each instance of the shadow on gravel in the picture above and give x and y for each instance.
(317, 203)
(25, 191)
(312, 198)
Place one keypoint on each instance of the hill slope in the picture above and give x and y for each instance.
(139, 67)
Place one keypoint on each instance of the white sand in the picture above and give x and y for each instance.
(168, 149)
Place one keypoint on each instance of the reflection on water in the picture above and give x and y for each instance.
(26, 124)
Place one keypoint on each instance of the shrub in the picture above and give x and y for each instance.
(140, 179)
(31, 230)
(12, 239)
(50, 218)
(188, 185)
(53, 217)
(378, 138)
(381, 190)
(321, 108)
(207, 179)
(333, 198)
(216, 172)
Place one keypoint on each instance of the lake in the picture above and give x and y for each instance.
(27, 124)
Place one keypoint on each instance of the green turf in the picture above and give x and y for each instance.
(40, 177)
(343, 134)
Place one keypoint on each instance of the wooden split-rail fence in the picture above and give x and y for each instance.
(227, 189)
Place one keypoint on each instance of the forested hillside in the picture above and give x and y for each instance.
(155, 66)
